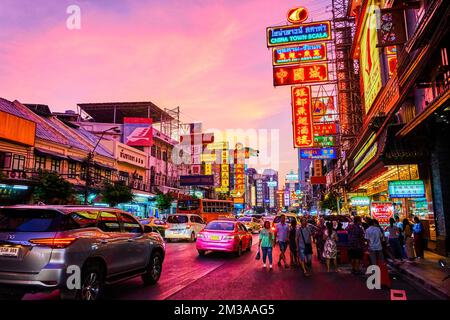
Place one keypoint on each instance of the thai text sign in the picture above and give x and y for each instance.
(296, 34)
(301, 53)
(382, 211)
(302, 117)
(318, 153)
(289, 75)
(406, 189)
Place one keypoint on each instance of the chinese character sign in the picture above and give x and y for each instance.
(301, 53)
(318, 153)
(325, 129)
(302, 117)
(283, 76)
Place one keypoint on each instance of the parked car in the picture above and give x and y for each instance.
(156, 224)
(252, 224)
(183, 226)
(224, 235)
(40, 244)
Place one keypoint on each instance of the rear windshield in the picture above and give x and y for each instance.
(288, 219)
(245, 219)
(221, 226)
(29, 220)
(177, 219)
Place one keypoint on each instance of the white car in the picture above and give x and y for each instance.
(183, 227)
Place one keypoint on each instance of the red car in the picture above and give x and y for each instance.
(224, 235)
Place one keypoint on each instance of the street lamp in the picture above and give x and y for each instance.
(90, 158)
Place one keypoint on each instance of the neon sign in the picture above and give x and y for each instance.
(318, 153)
(301, 53)
(283, 76)
(324, 129)
(406, 189)
(297, 34)
(297, 15)
(324, 141)
(302, 117)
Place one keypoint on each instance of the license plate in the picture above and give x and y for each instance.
(9, 251)
(215, 238)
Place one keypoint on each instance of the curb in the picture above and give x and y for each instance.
(420, 281)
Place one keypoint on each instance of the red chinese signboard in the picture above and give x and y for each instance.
(382, 211)
(302, 117)
(310, 52)
(324, 129)
(289, 75)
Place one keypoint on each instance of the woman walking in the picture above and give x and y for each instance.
(293, 244)
(407, 232)
(330, 247)
(266, 240)
(418, 237)
(394, 242)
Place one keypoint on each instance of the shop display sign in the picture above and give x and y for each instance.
(324, 129)
(382, 211)
(324, 141)
(406, 189)
(360, 201)
(302, 116)
(297, 54)
(289, 75)
(318, 153)
(301, 33)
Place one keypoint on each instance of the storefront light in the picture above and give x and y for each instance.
(20, 187)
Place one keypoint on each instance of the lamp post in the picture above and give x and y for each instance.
(89, 160)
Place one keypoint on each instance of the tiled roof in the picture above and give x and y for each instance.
(53, 129)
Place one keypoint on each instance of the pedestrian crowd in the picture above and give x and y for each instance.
(364, 238)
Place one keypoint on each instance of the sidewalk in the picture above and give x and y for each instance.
(427, 273)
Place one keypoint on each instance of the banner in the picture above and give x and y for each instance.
(283, 76)
(302, 117)
(301, 33)
(137, 132)
(382, 211)
(297, 54)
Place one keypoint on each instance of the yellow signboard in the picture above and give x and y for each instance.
(206, 157)
(208, 168)
(370, 56)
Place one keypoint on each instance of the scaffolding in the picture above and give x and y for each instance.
(171, 125)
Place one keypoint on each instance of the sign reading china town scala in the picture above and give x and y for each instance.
(300, 33)
(289, 75)
(302, 53)
(302, 117)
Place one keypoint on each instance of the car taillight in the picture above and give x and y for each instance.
(228, 238)
(166, 226)
(188, 226)
(53, 242)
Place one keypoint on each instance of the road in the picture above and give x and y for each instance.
(186, 276)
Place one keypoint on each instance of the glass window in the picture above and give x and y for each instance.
(39, 162)
(193, 219)
(153, 151)
(108, 175)
(5, 160)
(177, 219)
(109, 222)
(130, 225)
(97, 174)
(18, 162)
(83, 172)
(188, 204)
(72, 174)
(164, 155)
(225, 226)
(158, 153)
(55, 165)
(29, 220)
(83, 219)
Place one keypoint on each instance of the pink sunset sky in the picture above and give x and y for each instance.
(207, 56)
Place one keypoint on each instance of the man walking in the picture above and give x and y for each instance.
(374, 237)
(304, 240)
(356, 243)
(282, 234)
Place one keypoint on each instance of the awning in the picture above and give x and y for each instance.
(77, 159)
(42, 152)
(104, 166)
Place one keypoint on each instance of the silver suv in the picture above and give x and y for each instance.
(43, 247)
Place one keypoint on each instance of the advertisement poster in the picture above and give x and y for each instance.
(137, 132)
(382, 211)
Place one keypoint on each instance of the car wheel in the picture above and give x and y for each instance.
(201, 253)
(154, 269)
(239, 250)
(249, 248)
(192, 239)
(91, 285)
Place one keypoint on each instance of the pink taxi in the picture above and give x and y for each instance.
(224, 235)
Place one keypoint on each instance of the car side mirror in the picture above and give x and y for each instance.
(148, 229)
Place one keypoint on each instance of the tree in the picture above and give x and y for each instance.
(330, 201)
(115, 193)
(164, 201)
(53, 189)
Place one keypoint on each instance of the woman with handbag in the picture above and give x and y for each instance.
(304, 241)
(330, 248)
(266, 240)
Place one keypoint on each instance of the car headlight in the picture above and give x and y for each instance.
(200, 236)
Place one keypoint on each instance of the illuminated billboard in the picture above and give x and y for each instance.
(324, 129)
(324, 109)
(297, 15)
(370, 57)
(137, 132)
(382, 211)
(302, 53)
(290, 75)
(300, 33)
(302, 117)
(324, 141)
(318, 153)
(406, 189)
